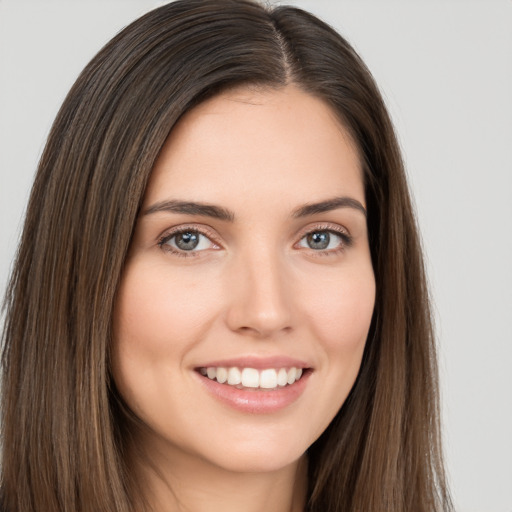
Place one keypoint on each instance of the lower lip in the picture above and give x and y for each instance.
(257, 401)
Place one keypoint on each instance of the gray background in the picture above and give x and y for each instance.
(445, 68)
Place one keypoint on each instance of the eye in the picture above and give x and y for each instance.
(186, 241)
(324, 240)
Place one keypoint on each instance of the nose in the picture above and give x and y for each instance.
(260, 302)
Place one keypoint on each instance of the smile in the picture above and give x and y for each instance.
(255, 385)
(251, 378)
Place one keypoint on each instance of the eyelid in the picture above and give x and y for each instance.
(183, 228)
(323, 226)
(337, 229)
(211, 235)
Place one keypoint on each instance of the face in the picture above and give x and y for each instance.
(248, 290)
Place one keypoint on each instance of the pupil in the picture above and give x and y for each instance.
(187, 241)
(318, 240)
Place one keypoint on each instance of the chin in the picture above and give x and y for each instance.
(259, 452)
(258, 461)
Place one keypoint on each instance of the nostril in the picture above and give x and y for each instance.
(262, 331)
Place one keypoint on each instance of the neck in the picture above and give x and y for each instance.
(173, 481)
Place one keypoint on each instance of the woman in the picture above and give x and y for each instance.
(219, 298)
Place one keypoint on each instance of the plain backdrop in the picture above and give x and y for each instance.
(445, 69)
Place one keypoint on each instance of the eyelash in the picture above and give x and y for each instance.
(163, 241)
(345, 240)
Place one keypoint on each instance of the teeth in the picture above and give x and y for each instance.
(269, 378)
(234, 376)
(222, 375)
(282, 377)
(250, 378)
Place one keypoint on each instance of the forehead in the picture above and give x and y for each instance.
(258, 143)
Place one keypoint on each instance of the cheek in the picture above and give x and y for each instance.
(342, 312)
(157, 312)
(139, 324)
(339, 311)
(159, 316)
(156, 320)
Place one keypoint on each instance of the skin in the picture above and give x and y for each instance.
(254, 287)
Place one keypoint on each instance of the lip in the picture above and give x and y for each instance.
(258, 363)
(255, 401)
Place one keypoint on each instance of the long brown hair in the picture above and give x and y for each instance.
(64, 441)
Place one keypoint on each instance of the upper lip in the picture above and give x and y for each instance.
(258, 363)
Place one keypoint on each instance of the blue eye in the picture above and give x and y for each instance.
(188, 240)
(324, 240)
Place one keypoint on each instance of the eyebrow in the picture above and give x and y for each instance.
(218, 212)
(191, 208)
(329, 205)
